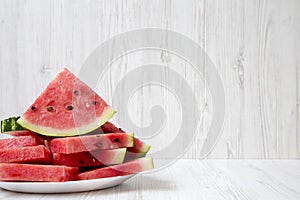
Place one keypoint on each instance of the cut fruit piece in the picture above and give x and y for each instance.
(93, 158)
(42, 173)
(78, 144)
(67, 107)
(26, 133)
(139, 147)
(139, 150)
(21, 133)
(109, 127)
(131, 167)
(36, 154)
(10, 124)
(21, 141)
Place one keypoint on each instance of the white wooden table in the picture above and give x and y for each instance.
(200, 179)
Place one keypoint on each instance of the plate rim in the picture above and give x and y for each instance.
(64, 187)
(65, 182)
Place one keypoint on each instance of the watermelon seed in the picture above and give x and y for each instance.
(70, 107)
(94, 103)
(33, 108)
(76, 93)
(50, 108)
(81, 162)
(116, 140)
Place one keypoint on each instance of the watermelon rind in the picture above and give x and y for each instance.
(120, 155)
(10, 124)
(146, 162)
(144, 150)
(131, 138)
(48, 131)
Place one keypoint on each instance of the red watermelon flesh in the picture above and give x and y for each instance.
(78, 144)
(35, 154)
(87, 159)
(21, 141)
(109, 127)
(21, 133)
(139, 149)
(131, 167)
(33, 172)
(26, 133)
(67, 107)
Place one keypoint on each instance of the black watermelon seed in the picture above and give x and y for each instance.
(116, 140)
(50, 108)
(81, 162)
(76, 92)
(94, 103)
(33, 108)
(70, 107)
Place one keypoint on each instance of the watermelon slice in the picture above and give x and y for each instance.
(67, 107)
(17, 142)
(109, 127)
(21, 133)
(131, 167)
(138, 150)
(35, 154)
(78, 144)
(32, 172)
(87, 159)
(26, 133)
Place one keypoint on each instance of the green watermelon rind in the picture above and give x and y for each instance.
(10, 124)
(145, 149)
(147, 163)
(131, 139)
(140, 155)
(120, 155)
(47, 131)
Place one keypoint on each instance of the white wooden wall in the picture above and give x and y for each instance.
(255, 45)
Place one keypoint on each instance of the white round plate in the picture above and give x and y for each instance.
(64, 187)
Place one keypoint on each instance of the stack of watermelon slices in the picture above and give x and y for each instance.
(65, 136)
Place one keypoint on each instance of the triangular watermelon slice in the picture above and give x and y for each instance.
(67, 107)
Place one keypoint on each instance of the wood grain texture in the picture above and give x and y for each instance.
(254, 44)
(204, 179)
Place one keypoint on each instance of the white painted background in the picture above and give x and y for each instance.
(255, 45)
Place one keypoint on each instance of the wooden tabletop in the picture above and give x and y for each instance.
(199, 179)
